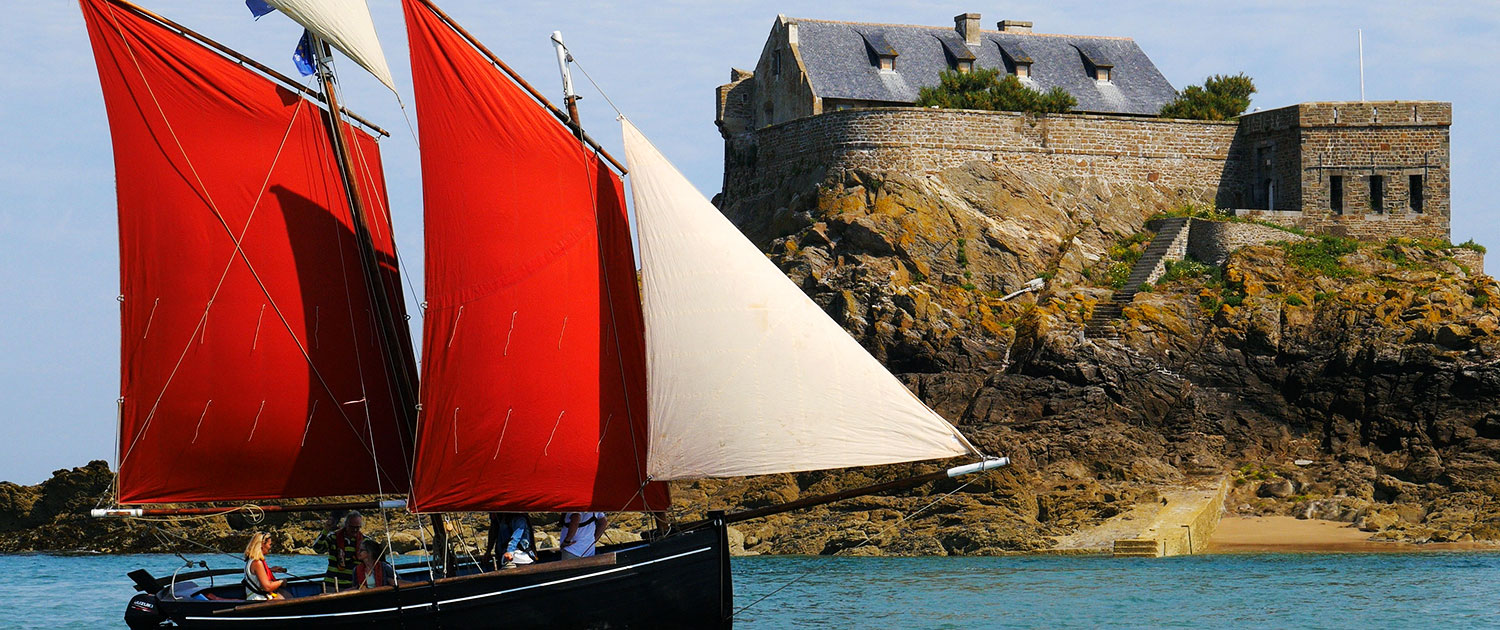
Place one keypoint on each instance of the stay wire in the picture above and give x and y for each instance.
(591, 80)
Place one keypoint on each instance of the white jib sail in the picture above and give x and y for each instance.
(746, 375)
(346, 25)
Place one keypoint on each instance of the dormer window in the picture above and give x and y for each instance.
(882, 53)
(959, 56)
(1017, 61)
(1098, 66)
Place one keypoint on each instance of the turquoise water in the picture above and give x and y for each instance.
(1364, 591)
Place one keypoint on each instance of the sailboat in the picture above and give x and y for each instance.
(264, 352)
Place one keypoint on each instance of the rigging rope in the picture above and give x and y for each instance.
(591, 80)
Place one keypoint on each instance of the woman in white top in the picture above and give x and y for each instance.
(259, 583)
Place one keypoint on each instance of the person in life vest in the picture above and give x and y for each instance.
(511, 540)
(342, 546)
(259, 583)
(373, 570)
(580, 532)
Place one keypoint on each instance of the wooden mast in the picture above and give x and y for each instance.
(394, 347)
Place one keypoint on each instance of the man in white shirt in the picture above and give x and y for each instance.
(580, 532)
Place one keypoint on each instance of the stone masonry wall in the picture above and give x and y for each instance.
(1314, 143)
(1185, 155)
(1212, 241)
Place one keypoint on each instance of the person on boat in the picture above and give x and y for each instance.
(373, 570)
(342, 545)
(580, 532)
(511, 538)
(260, 585)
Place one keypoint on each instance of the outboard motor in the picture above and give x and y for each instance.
(141, 613)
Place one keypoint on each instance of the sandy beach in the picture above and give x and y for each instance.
(1289, 534)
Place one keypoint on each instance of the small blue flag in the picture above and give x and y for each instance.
(259, 7)
(303, 56)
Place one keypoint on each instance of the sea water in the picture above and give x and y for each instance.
(1364, 591)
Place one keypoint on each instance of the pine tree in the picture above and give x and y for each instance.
(984, 88)
(1221, 97)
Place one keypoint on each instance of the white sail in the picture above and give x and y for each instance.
(746, 375)
(346, 25)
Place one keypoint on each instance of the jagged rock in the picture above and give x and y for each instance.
(1278, 488)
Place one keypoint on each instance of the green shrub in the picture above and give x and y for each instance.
(1322, 296)
(1190, 268)
(963, 254)
(1294, 300)
(986, 88)
(1221, 97)
(1321, 255)
(1482, 300)
(1471, 245)
(1117, 273)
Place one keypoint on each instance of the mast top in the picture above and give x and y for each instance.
(231, 53)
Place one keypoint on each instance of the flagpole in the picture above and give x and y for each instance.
(1361, 65)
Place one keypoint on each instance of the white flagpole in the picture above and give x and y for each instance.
(1361, 65)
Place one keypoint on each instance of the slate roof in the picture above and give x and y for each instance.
(839, 64)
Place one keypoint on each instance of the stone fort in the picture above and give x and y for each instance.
(840, 95)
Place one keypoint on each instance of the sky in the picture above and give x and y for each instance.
(659, 62)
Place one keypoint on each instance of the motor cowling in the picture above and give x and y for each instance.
(142, 613)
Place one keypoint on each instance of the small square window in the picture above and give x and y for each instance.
(965, 66)
(887, 63)
(1023, 70)
(1102, 74)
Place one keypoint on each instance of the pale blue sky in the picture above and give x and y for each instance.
(659, 62)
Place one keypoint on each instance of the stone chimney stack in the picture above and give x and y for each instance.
(967, 25)
(1014, 26)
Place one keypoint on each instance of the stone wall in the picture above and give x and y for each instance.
(1303, 149)
(1469, 258)
(1213, 241)
(1183, 155)
(1277, 165)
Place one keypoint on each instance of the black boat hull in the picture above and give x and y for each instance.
(681, 581)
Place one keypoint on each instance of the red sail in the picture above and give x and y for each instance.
(533, 395)
(250, 372)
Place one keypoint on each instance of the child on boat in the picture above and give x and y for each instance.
(372, 570)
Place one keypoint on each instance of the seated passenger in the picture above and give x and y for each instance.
(259, 584)
(372, 570)
(512, 538)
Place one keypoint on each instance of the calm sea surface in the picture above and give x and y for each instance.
(1364, 591)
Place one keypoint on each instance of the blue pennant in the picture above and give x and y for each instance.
(303, 56)
(259, 7)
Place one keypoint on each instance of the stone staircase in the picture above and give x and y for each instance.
(1169, 236)
(1137, 548)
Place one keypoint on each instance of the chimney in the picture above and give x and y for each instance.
(1014, 26)
(967, 25)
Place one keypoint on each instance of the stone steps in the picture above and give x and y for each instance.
(1100, 324)
(1137, 548)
